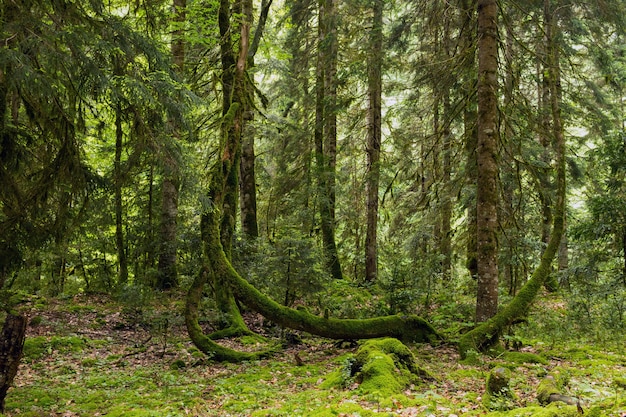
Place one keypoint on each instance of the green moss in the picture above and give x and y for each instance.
(40, 346)
(498, 380)
(382, 367)
(546, 388)
(619, 382)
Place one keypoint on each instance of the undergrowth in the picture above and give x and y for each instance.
(94, 357)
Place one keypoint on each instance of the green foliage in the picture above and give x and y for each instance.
(290, 267)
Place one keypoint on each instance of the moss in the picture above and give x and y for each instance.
(547, 387)
(381, 366)
(619, 382)
(498, 380)
(40, 346)
(178, 364)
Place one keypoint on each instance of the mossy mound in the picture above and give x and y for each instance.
(380, 366)
(547, 387)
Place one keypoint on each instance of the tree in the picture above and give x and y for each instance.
(487, 163)
(326, 129)
(168, 275)
(374, 133)
(487, 333)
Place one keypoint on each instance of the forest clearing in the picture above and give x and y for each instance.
(89, 356)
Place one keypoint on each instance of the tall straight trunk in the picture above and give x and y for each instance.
(486, 333)
(249, 223)
(247, 200)
(326, 131)
(469, 131)
(167, 270)
(374, 134)
(487, 164)
(122, 276)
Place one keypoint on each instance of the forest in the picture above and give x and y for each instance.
(312, 208)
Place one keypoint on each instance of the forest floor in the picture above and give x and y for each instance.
(90, 356)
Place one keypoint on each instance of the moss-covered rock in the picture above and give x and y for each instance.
(498, 393)
(498, 381)
(380, 366)
(547, 387)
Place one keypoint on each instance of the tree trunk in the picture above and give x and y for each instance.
(11, 348)
(487, 164)
(225, 185)
(470, 133)
(374, 133)
(487, 333)
(167, 270)
(408, 328)
(326, 131)
(248, 205)
(122, 276)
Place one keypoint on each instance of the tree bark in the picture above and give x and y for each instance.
(374, 134)
(326, 130)
(248, 204)
(11, 348)
(487, 164)
(470, 132)
(122, 276)
(167, 269)
(487, 332)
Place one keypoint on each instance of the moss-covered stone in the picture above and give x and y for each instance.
(619, 382)
(386, 366)
(380, 366)
(547, 387)
(498, 381)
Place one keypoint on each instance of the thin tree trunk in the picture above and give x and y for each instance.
(248, 203)
(374, 133)
(470, 133)
(326, 131)
(122, 277)
(487, 164)
(168, 274)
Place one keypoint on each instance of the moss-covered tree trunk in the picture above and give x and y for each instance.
(410, 328)
(487, 163)
(486, 333)
(374, 133)
(11, 348)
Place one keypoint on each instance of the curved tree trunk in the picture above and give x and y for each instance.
(487, 333)
(408, 328)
